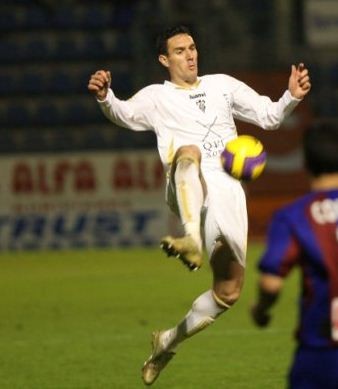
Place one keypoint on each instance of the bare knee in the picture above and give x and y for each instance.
(188, 153)
(226, 296)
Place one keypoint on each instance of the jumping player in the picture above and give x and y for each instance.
(305, 234)
(193, 119)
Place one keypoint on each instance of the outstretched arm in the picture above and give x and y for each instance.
(135, 113)
(299, 81)
(249, 106)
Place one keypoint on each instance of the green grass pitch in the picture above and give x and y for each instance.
(83, 319)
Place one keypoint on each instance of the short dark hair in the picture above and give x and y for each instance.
(321, 147)
(162, 39)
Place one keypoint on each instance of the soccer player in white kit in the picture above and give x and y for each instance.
(193, 119)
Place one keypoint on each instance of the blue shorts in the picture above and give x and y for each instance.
(314, 369)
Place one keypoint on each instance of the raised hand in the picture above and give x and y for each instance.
(299, 81)
(99, 84)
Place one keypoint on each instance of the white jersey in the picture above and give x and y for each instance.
(203, 115)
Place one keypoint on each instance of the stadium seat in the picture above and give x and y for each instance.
(8, 84)
(60, 82)
(96, 16)
(17, 115)
(122, 82)
(94, 47)
(76, 113)
(8, 19)
(37, 49)
(65, 17)
(7, 144)
(123, 16)
(35, 17)
(32, 83)
(10, 51)
(45, 64)
(19, 139)
(47, 114)
(123, 46)
(334, 75)
(67, 48)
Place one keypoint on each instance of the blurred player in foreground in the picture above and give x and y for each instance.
(193, 119)
(305, 234)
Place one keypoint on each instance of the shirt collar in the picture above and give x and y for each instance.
(171, 84)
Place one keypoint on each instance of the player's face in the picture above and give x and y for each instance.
(181, 59)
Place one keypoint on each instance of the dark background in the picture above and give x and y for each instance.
(49, 49)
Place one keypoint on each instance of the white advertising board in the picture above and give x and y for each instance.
(82, 200)
(321, 22)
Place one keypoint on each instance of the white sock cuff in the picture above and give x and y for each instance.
(220, 302)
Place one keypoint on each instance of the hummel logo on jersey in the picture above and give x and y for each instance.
(198, 95)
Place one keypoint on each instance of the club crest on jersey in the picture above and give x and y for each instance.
(200, 102)
(201, 105)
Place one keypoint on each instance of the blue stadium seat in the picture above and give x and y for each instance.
(76, 113)
(61, 139)
(80, 81)
(7, 144)
(37, 49)
(67, 48)
(97, 17)
(10, 51)
(334, 75)
(34, 140)
(8, 84)
(9, 19)
(32, 83)
(94, 47)
(18, 139)
(123, 46)
(60, 82)
(36, 17)
(17, 115)
(47, 114)
(122, 82)
(123, 16)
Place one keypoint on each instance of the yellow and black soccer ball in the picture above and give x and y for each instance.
(244, 158)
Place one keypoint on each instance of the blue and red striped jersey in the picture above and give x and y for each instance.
(305, 234)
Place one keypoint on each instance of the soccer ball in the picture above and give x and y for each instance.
(244, 158)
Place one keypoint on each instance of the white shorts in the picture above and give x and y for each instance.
(224, 214)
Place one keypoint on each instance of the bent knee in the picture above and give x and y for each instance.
(225, 297)
(188, 152)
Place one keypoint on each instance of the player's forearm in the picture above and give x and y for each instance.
(115, 110)
(260, 110)
(286, 104)
(273, 114)
(269, 288)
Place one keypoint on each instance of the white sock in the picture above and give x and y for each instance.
(203, 312)
(189, 194)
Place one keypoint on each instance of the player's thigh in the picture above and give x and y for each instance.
(226, 217)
